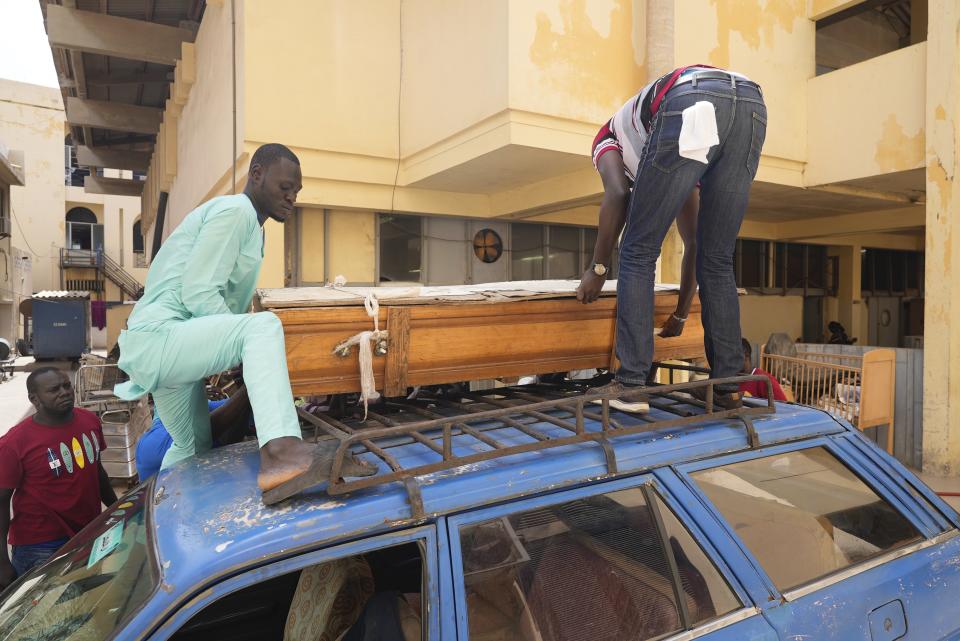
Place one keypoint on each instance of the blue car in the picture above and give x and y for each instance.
(528, 514)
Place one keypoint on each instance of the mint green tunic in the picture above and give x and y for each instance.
(192, 322)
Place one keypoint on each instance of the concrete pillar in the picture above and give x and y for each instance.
(941, 368)
(848, 293)
(851, 309)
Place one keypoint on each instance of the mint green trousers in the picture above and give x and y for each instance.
(177, 356)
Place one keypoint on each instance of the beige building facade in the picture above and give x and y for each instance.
(430, 132)
(38, 213)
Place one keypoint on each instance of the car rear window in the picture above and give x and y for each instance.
(91, 586)
(803, 514)
(596, 568)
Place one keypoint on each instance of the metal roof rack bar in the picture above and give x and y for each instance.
(333, 426)
(506, 415)
(591, 415)
(517, 425)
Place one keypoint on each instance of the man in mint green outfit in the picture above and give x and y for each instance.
(192, 322)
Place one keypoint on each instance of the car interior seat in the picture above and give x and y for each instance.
(328, 600)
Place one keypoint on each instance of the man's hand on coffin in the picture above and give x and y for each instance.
(590, 287)
(672, 327)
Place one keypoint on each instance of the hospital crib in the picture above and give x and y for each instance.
(860, 389)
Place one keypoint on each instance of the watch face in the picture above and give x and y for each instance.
(599, 269)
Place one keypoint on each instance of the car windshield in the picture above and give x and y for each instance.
(90, 586)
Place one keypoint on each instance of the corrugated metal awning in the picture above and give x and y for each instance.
(61, 295)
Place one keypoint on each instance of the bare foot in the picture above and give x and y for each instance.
(283, 459)
(287, 458)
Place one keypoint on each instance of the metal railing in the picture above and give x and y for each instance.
(513, 412)
(130, 286)
(78, 258)
(101, 261)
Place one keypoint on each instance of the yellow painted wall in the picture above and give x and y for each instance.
(32, 121)
(272, 268)
(579, 60)
(205, 126)
(822, 8)
(76, 197)
(454, 67)
(474, 80)
(587, 215)
(336, 87)
(760, 316)
(311, 246)
(772, 42)
(117, 316)
(351, 246)
(111, 291)
(866, 127)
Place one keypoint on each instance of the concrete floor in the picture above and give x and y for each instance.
(14, 404)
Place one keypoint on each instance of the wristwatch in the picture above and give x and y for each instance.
(599, 269)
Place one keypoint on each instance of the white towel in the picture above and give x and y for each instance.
(699, 131)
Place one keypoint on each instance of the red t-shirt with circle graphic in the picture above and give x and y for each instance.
(54, 474)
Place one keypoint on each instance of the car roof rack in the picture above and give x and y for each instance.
(519, 410)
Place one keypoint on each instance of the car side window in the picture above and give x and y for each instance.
(804, 514)
(594, 568)
(342, 598)
(708, 594)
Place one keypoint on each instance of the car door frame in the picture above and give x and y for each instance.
(457, 615)
(424, 534)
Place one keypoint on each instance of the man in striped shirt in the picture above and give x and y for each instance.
(650, 133)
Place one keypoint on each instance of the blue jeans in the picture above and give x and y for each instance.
(664, 180)
(27, 557)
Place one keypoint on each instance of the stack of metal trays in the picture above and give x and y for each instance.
(121, 430)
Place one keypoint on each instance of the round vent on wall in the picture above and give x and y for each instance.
(487, 245)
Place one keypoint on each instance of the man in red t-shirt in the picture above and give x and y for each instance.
(50, 467)
(758, 389)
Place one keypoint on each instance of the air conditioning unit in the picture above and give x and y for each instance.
(5, 227)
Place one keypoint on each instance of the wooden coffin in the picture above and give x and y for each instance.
(438, 342)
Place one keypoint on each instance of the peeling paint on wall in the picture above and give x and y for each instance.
(941, 382)
(576, 59)
(755, 21)
(937, 176)
(896, 151)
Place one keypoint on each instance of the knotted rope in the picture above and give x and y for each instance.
(365, 341)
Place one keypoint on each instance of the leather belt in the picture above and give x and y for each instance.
(713, 74)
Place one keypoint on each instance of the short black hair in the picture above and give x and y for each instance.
(37, 373)
(270, 153)
(747, 349)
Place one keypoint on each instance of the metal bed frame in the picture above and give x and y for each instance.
(517, 408)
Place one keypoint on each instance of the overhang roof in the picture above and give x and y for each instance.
(113, 57)
(11, 173)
